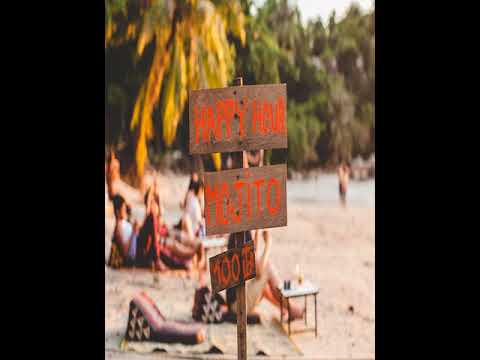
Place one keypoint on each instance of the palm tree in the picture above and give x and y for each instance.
(191, 51)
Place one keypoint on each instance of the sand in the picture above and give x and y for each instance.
(335, 248)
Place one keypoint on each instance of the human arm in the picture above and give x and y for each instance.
(198, 211)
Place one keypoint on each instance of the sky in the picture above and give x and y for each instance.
(310, 9)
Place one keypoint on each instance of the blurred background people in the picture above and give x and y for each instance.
(125, 234)
(343, 173)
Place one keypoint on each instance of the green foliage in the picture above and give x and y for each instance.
(304, 130)
(191, 51)
(329, 69)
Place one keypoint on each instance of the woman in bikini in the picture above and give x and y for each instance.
(167, 248)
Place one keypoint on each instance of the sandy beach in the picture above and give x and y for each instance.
(335, 248)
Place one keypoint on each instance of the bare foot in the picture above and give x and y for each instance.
(160, 266)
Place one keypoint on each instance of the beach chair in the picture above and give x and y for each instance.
(146, 323)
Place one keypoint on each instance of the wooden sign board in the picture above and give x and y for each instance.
(232, 267)
(245, 199)
(238, 118)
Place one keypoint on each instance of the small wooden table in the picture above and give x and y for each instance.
(297, 290)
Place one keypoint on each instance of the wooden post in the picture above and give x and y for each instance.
(238, 162)
(234, 120)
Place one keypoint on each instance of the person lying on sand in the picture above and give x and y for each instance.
(265, 284)
(162, 247)
(179, 247)
(125, 234)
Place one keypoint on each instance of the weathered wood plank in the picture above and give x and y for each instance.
(239, 161)
(238, 118)
(245, 199)
(232, 267)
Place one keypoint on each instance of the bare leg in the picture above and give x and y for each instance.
(296, 311)
(160, 265)
(202, 258)
(188, 252)
(273, 278)
(188, 239)
(268, 293)
(187, 234)
(182, 251)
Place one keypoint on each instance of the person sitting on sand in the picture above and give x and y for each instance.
(343, 178)
(187, 234)
(162, 247)
(148, 243)
(266, 282)
(124, 235)
(178, 249)
(193, 208)
(193, 179)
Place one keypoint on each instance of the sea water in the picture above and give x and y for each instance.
(323, 191)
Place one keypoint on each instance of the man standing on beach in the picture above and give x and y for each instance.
(343, 178)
